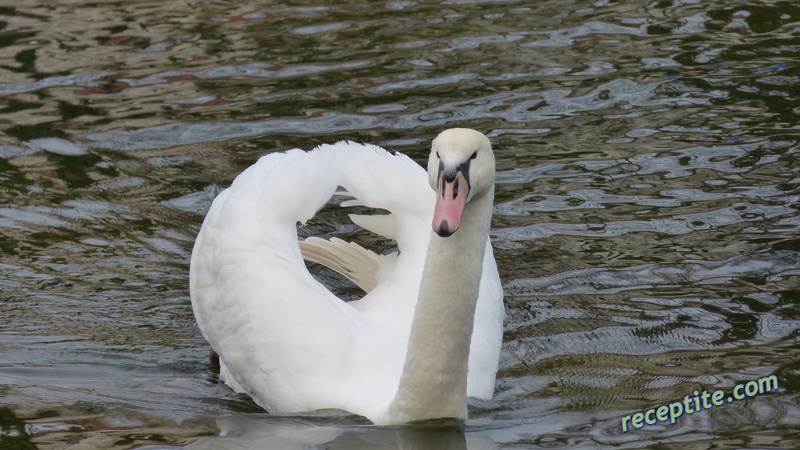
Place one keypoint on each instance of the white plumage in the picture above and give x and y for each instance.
(286, 340)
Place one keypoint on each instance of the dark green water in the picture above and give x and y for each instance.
(646, 225)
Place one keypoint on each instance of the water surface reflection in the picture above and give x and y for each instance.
(645, 226)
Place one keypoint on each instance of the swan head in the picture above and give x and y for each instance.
(460, 168)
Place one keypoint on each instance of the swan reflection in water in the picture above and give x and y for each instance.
(294, 433)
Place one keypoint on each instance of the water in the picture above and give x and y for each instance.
(646, 223)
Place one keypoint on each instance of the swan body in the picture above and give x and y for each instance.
(428, 331)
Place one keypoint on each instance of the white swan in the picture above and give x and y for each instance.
(428, 331)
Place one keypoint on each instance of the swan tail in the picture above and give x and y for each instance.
(353, 261)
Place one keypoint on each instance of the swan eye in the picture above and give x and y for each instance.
(437, 155)
(474, 155)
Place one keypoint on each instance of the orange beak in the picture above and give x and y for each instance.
(450, 202)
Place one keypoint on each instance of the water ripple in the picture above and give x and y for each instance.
(566, 36)
(507, 106)
(596, 281)
(598, 199)
(89, 79)
(677, 225)
(674, 164)
(255, 70)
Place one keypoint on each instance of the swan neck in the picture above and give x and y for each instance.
(434, 380)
